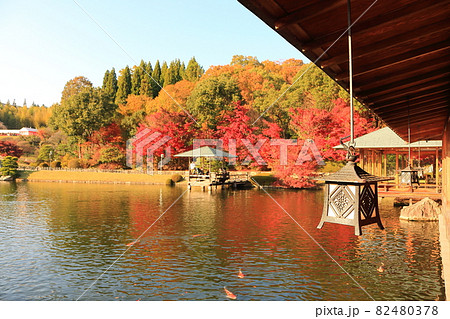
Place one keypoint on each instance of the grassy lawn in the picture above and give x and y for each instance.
(264, 179)
(94, 177)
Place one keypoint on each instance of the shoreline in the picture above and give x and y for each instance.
(93, 178)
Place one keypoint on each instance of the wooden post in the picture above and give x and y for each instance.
(396, 169)
(385, 165)
(437, 169)
(380, 156)
(361, 158)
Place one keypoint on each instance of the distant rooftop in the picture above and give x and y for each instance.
(387, 138)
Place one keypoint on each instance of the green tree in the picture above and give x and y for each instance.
(193, 71)
(9, 166)
(84, 113)
(174, 72)
(212, 96)
(156, 82)
(136, 77)
(164, 71)
(123, 86)
(245, 61)
(110, 84)
(46, 153)
(146, 82)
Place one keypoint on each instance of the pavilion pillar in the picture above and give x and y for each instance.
(372, 166)
(385, 165)
(444, 217)
(437, 169)
(396, 169)
(361, 158)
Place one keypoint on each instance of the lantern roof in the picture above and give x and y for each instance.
(408, 169)
(352, 173)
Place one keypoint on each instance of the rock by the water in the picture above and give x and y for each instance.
(426, 209)
(7, 178)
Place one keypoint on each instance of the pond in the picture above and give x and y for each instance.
(57, 239)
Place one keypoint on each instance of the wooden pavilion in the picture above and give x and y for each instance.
(401, 64)
(376, 147)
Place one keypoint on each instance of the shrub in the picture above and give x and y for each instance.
(55, 164)
(9, 166)
(176, 178)
(43, 165)
(170, 182)
(73, 163)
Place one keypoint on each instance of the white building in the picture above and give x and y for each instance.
(24, 131)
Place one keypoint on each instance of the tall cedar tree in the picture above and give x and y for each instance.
(193, 71)
(136, 77)
(164, 70)
(110, 84)
(146, 81)
(124, 86)
(156, 81)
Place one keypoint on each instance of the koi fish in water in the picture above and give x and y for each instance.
(240, 274)
(132, 243)
(229, 293)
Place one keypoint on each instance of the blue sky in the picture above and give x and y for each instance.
(43, 44)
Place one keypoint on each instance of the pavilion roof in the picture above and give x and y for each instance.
(387, 138)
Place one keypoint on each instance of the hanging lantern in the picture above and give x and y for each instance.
(351, 197)
(409, 176)
(351, 194)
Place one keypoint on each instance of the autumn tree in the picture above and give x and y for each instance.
(173, 98)
(10, 148)
(75, 86)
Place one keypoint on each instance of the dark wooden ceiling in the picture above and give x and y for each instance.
(401, 54)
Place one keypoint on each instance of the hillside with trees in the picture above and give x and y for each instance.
(246, 99)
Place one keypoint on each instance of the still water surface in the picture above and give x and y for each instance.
(56, 239)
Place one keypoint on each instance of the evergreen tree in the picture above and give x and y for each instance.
(173, 74)
(105, 80)
(193, 71)
(146, 81)
(136, 77)
(110, 84)
(123, 86)
(156, 82)
(164, 71)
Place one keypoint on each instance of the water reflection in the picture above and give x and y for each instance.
(58, 238)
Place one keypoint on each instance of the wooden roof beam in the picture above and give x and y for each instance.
(418, 96)
(413, 109)
(376, 23)
(405, 106)
(409, 84)
(389, 62)
(410, 91)
(383, 45)
(425, 70)
(307, 13)
(419, 117)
